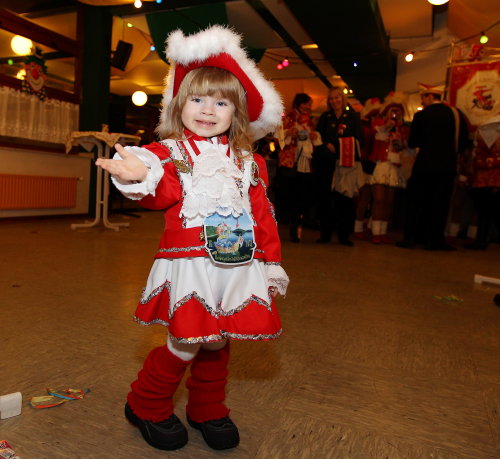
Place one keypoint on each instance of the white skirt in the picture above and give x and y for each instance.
(202, 302)
(221, 288)
(386, 173)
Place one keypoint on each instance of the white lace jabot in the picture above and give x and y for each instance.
(214, 185)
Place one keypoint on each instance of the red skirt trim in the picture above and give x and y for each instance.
(193, 321)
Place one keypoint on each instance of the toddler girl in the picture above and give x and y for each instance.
(217, 268)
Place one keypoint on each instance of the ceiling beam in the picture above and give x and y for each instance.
(18, 25)
(351, 36)
(265, 14)
(153, 7)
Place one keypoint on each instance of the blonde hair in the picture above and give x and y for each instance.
(211, 81)
(341, 92)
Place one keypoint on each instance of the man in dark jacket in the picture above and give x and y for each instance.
(440, 133)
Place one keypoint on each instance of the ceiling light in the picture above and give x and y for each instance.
(409, 56)
(137, 3)
(437, 2)
(139, 98)
(21, 45)
(484, 38)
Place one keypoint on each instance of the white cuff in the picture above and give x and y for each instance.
(318, 140)
(277, 277)
(137, 190)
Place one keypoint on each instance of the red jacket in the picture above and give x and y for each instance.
(179, 242)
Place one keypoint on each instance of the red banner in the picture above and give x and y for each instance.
(347, 151)
(475, 90)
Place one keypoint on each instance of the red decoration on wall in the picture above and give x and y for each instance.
(36, 73)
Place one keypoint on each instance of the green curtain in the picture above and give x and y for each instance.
(190, 20)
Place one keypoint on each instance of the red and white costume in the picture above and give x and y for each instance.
(200, 300)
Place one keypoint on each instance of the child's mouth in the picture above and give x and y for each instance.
(206, 123)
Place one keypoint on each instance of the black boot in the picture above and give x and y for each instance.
(294, 233)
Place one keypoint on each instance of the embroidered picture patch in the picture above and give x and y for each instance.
(229, 240)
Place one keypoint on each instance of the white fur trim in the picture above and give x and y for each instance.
(210, 42)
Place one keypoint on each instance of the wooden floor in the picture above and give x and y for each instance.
(372, 365)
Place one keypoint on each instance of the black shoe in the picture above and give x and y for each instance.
(444, 247)
(346, 242)
(167, 435)
(406, 244)
(218, 434)
(476, 246)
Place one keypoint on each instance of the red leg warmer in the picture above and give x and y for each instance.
(207, 385)
(151, 395)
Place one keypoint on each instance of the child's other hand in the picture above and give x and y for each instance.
(130, 168)
(273, 291)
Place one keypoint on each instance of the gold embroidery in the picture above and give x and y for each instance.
(182, 166)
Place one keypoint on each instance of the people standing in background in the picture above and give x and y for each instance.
(390, 139)
(341, 131)
(369, 114)
(298, 137)
(485, 180)
(440, 133)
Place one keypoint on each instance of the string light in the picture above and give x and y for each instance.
(484, 38)
(409, 57)
(152, 48)
(355, 64)
(284, 63)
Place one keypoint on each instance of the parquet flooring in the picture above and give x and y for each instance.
(371, 365)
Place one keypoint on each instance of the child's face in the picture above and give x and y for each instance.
(207, 116)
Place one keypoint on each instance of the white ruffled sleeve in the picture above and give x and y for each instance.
(137, 190)
(277, 277)
(318, 140)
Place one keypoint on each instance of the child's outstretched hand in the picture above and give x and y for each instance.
(130, 168)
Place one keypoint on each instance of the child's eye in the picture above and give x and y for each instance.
(222, 103)
(196, 99)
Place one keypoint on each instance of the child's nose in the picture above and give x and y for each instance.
(208, 108)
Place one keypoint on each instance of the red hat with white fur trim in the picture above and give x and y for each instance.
(220, 47)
